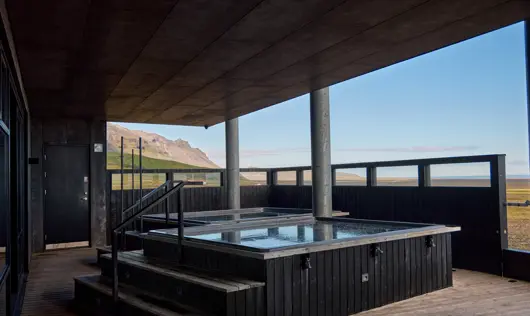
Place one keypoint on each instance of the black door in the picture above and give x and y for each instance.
(66, 213)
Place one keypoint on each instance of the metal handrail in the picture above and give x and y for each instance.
(139, 202)
(148, 195)
(132, 218)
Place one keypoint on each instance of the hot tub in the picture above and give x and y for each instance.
(154, 221)
(324, 266)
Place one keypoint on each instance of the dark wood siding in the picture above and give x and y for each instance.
(477, 247)
(516, 264)
(194, 199)
(209, 260)
(333, 284)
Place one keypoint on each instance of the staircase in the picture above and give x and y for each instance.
(151, 283)
(154, 286)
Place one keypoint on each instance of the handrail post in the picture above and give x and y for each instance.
(181, 230)
(424, 176)
(115, 268)
(141, 186)
(371, 177)
(169, 177)
(132, 183)
(119, 218)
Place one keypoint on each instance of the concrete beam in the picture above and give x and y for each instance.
(321, 152)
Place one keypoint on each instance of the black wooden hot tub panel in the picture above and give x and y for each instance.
(333, 286)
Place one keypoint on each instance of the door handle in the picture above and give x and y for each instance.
(84, 198)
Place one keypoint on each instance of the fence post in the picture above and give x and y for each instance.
(498, 185)
(222, 178)
(272, 177)
(299, 177)
(424, 176)
(371, 177)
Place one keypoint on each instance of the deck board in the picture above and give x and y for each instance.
(50, 287)
(50, 290)
(473, 293)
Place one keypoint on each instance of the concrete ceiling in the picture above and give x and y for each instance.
(200, 62)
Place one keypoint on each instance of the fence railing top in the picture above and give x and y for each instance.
(375, 164)
(195, 170)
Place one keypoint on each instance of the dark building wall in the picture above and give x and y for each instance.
(69, 132)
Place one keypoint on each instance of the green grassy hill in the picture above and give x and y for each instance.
(113, 162)
(151, 181)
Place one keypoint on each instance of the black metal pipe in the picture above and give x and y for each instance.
(148, 195)
(115, 268)
(132, 176)
(141, 187)
(119, 219)
(150, 206)
(181, 230)
(167, 202)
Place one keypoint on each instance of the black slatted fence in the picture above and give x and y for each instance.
(480, 211)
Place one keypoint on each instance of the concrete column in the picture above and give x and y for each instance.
(321, 153)
(322, 231)
(232, 164)
(232, 174)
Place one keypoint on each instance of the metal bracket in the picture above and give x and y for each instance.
(523, 204)
(429, 242)
(375, 250)
(306, 262)
(364, 277)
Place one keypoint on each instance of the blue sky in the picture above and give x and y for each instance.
(467, 99)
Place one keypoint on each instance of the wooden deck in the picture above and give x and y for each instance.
(50, 287)
(473, 293)
(50, 290)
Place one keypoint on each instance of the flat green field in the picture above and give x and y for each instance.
(518, 217)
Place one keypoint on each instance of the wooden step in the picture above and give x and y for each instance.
(224, 294)
(93, 296)
(101, 251)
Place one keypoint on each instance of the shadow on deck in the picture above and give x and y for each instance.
(50, 290)
(50, 287)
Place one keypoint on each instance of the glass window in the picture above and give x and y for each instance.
(286, 178)
(308, 177)
(253, 178)
(475, 174)
(406, 176)
(210, 179)
(350, 177)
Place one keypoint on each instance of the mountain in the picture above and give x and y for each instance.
(156, 146)
(114, 162)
